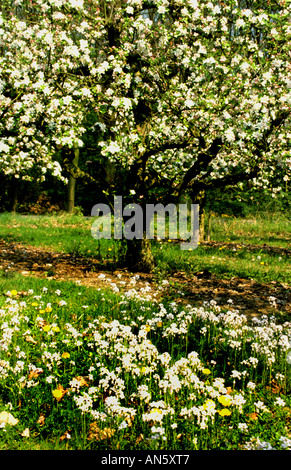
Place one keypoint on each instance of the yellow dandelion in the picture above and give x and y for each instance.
(57, 394)
(13, 292)
(56, 329)
(46, 328)
(34, 304)
(147, 328)
(65, 355)
(225, 400)
(224, 412)
(48, 309)
(206, 371)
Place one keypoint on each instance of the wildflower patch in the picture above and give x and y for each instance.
(129, 373)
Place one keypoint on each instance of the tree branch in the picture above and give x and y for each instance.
(280, 119)
(202, 162)
(165, 147)
(204, 158)
(227, 180)
(137, 173)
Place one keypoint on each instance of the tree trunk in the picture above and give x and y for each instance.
(14, 201)
(139, 255)
(201, 224)
(200, 199)
(209, 226)
(72, 183)
(71, 194)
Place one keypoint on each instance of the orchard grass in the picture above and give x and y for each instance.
(226, 262)
(91, 369)
(85, 368)
(270, 228)
(240, 249)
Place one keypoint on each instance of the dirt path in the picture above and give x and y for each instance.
(249, 296)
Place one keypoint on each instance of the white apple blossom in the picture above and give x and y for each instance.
(152, 95)
(229, 135)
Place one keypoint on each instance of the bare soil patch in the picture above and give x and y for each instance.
(247, 295)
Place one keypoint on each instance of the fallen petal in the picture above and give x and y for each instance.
(25, 433)
(8, 418)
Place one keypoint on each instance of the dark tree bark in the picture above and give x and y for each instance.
(200, 199)
(72, 182)
(139, 255)
(15, 192)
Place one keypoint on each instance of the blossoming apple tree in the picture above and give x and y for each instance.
(181, 95)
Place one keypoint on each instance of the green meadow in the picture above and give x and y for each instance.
(107, 368)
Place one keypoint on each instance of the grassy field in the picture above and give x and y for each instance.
(242, 248)
(102, 369)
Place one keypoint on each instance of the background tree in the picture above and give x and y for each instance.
(187, 96)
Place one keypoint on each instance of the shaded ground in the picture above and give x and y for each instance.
(249, 296)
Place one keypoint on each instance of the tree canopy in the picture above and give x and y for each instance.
(181, 94)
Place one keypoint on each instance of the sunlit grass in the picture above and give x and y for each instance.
(62, 231)
(72, 234)
(226, 262)
(267, 228)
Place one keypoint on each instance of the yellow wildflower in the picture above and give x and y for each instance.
(224, 412)
(224, 400)
(206, 371)
(13, 292)
(59, 392)
(48, 309)
(65, 355)
(46, 328)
